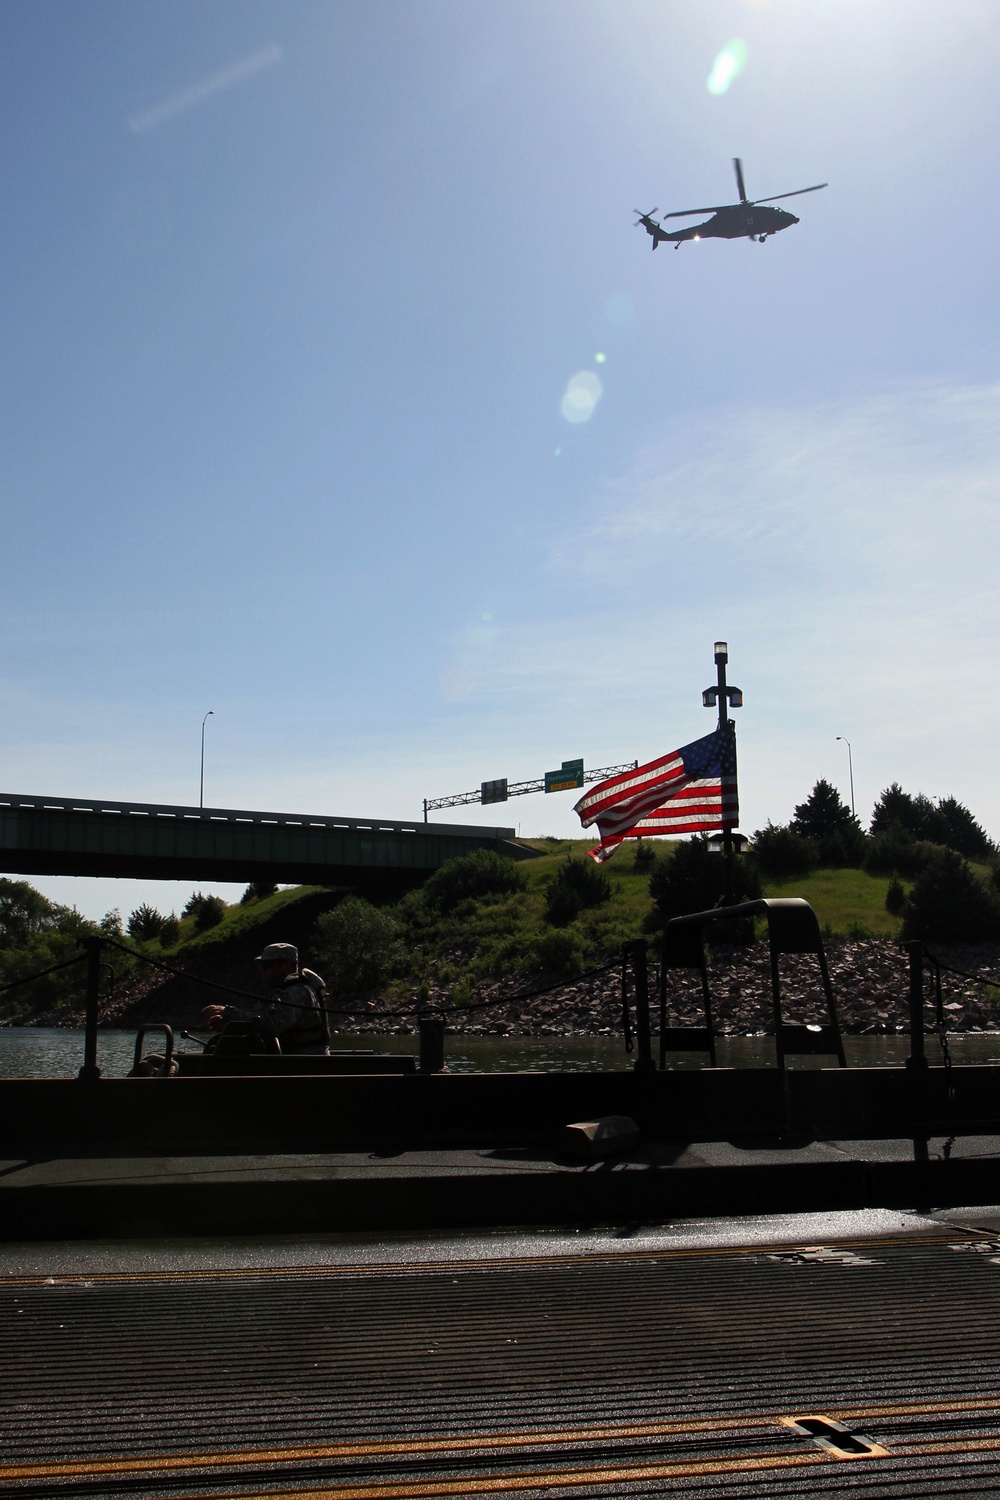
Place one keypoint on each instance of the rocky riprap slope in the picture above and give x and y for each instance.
(870, 983)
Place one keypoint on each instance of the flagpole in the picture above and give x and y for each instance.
(721, 658)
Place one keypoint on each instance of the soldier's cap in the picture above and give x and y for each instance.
(277, 953)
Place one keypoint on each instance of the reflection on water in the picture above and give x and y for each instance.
(37, 1052)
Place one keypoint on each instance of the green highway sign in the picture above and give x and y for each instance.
(493, 791)
(567, 778)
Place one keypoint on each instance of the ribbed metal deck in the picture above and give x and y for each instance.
(657, 1373)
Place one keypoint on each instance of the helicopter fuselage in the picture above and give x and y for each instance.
(735, 223)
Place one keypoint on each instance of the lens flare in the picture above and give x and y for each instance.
(728, 65)
(599, 359)
(580, 399)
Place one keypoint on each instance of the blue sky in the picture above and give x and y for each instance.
(292, 296)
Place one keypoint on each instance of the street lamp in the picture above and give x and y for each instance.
(850, 767)
(209, 715)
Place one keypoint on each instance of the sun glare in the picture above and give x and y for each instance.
(580, 399)
(728, 65)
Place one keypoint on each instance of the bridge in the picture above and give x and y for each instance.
(91, 836)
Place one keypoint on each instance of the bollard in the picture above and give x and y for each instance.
(916, 1062)
(644, 1059)
(431, 1043)
(90, 1071)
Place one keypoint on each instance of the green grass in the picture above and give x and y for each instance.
(848, 903)
(239, 922)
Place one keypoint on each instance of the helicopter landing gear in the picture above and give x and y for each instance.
(761, 239)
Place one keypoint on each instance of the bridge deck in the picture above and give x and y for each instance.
(87, 836)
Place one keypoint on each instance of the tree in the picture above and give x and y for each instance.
(145, 923)
(831, 825)
(258, 890)
(948, 822)
(948, 903)
(962, 833)
(894, 809)
(358, 946)
(24, 913)
(210, 912)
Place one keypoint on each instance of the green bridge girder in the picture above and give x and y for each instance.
(89, 836)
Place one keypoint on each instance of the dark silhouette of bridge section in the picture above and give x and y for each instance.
(90, 836)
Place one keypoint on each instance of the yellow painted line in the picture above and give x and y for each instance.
(443, 1267)
(571, 1479)
(486, 1442)
(464, 1444)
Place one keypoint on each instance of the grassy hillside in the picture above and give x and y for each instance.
(479, 940)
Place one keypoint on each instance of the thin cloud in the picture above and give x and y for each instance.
(238, 72)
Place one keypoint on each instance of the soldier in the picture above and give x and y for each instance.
(297, 1013)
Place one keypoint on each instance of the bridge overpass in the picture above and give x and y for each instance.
(100, 836)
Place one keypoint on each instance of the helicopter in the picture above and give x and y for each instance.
(745, 220)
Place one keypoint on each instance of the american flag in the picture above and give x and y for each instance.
(691, 790)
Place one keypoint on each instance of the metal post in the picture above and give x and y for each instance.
(850, 768)
(425, 809)
(201, 795)
(92, 946)
(626, 1016)
(916, 1061)
(431, 1043)
(644, 1051)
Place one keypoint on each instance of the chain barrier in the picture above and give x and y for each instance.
(331, 1010)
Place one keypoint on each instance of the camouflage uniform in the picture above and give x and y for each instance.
(295, 1015)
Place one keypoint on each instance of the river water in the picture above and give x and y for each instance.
(39, 1052)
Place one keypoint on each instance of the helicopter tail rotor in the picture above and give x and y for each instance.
(641, 216)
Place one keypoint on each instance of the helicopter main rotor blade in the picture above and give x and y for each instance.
(797, 194)
(685, 213)
(739, 179)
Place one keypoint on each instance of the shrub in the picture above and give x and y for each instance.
(481, 873)
(695, 880)
(145, 923)
(780, 853)
(895, 897)
(644, 858)
(357, 946)
(950, 904)
(577, 885)
(896, 850)
(559, 954)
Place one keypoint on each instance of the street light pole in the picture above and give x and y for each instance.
(201, 797)
(850, 767)
(726, 697)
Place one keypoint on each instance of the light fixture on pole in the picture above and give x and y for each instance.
(201, 796)
(850, 767)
